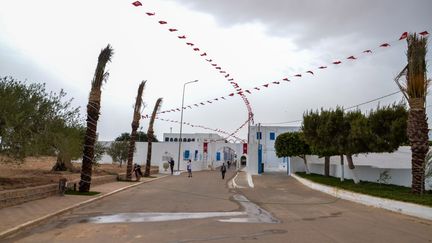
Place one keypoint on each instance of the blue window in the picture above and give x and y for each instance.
(259, 135)
(272, 136)
(186, 154)
(218, 156)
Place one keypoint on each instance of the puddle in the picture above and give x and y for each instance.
(158, 217)
(252, 214)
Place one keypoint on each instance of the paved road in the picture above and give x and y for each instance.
(302, 215)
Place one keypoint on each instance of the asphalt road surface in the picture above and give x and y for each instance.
(204, 209)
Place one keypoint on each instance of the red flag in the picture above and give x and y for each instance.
(209, 60)
(189, 44)
(247, 91)
(172, 30)
(276, 82)
(310, 72)
(226, 76)
(137, 3)
(367, 51)
(178, 109)
(219, 68)
(266, 85)
(222, 71)
(322, 67)
(337, 62)
(163, 22)
(286, 79)
(216, 99)
(214, 64)
(204, 54)
(196, 105)
(297, 75)
(196, 49)
(403, 36)
(385, 45)
(424, 33)
(257, 88)
(181, 37)
(240, 93)
(150, 14)
(352, 58)
(232, 94)
(231, 79)
(223, 97)
(202, 103)
(209, 101)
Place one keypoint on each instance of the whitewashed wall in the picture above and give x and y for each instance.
(162, 151)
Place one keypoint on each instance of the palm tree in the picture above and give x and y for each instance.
(150, 137)
(135, 125)
(415, 91)
(93, 108)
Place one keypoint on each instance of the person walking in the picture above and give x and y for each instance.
(171, 164)
(223, 170)
(228, 163)
(189, 168)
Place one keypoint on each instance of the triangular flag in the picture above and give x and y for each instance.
(337, 62)
(162, 22)
(150, 14)
(297, 75)
(189, 44)
(351, 57)
(137, 3)
(322, 67)
(424, 33)
(172, 30)
(232, 94)
(367, 51)
(181, 37)
(310, 72)
(276, 82)
(196, 49)
(204, 54)
(385, 45)
(403, 36)
(209, 60)
(286, 79)
(266, 85)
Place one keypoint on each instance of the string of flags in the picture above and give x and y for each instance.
(283, 80)
(228, 135)
(204, 54)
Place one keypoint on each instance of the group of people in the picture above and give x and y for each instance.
(139, 174)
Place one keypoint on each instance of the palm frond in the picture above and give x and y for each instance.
(100, 74)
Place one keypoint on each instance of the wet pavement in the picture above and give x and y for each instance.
(204, 209)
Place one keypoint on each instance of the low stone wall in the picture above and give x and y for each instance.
(18, 196)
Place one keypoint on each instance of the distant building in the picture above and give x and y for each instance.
(192, 137)
(262, 154)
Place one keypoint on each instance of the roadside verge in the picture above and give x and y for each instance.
(388, 204)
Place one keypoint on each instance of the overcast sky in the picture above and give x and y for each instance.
(255, 41)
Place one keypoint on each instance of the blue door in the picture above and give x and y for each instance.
(260, 164)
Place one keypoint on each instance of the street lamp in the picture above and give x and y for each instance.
(181, 123)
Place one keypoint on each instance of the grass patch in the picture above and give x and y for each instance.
(72, 192)
(399, 193)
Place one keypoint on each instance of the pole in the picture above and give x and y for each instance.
(181, 123)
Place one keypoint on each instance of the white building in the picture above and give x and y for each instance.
(261, 149)
(368, 166)
(192, 137)
(204, 151)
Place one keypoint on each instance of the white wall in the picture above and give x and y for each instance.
(162, 151)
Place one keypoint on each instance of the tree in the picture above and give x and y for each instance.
(93, 108)
(140, 137)
(292, 144)
(118, 151)
(135, 125)
(99, 151)
(150, 134)
(415, 90)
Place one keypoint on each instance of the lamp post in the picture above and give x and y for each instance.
(181, 123)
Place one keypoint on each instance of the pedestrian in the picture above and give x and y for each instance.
(171, 164)
(138, 172)
(189, 168)
(223, 170)
(228, 163)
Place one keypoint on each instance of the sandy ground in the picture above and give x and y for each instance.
(37, 171)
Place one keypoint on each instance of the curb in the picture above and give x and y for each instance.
(37, 221)
(405, 208)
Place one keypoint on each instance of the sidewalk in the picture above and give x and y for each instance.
(30, 213)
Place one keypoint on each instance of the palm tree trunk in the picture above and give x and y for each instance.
(150, 136)
(352, 168)
(63, 163)
(135, 125)
(418, 136)
(327, 165)
(93, 108)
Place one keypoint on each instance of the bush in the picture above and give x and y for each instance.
(165, 166)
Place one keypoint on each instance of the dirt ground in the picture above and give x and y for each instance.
(37, 171)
